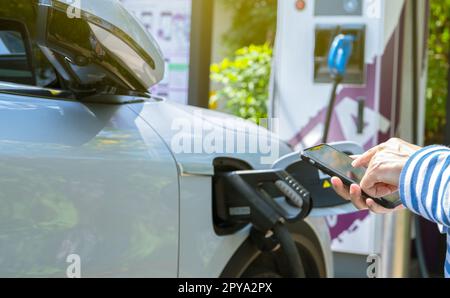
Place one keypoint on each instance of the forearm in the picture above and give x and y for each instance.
(425, 184)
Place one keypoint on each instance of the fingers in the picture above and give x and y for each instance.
(356, 197)
(369, 183)
(340, 188)
(383, 190)
(364, 160)
(373, 187)
(376, 208)
(352, 193)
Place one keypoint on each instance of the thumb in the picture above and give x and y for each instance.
(368, 185)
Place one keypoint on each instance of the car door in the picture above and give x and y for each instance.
(86, 190)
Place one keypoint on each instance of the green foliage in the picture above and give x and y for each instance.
(244, 77)
(254, 22)
(437, 89)
(245, 82)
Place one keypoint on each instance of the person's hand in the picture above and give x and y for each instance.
(354, 194)
(384, 165)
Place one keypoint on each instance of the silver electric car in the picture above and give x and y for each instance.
(88, 169)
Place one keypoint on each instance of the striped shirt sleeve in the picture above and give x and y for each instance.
(425, 188)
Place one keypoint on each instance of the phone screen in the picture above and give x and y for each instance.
(336, 161)
(340, 163)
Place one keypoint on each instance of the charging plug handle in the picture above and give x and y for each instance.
(267, 200)
(261, 214)
(340, 53)
(263, 198)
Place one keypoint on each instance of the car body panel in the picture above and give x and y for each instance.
(197, 126)
(91, 180)
(203, 253)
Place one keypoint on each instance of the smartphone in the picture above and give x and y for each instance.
(338, 164)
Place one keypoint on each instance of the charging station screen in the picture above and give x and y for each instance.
(338, 8)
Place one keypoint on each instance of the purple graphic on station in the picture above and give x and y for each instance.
(389, 96)
(346, 223)
(336, 134)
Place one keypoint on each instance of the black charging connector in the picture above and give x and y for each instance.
(267, 200)
(262, 198)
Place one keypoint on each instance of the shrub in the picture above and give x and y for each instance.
(244, 82)
(438, 53)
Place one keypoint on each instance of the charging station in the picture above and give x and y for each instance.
(377, 97)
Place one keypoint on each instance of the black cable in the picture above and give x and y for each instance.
(337, 81)
(290, 251)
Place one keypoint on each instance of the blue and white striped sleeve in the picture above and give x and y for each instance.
(425, 188)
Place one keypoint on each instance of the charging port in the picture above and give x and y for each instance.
(221, 167)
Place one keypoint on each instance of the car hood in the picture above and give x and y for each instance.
(196, 137)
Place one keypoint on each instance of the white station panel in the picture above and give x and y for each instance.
(170, 24)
